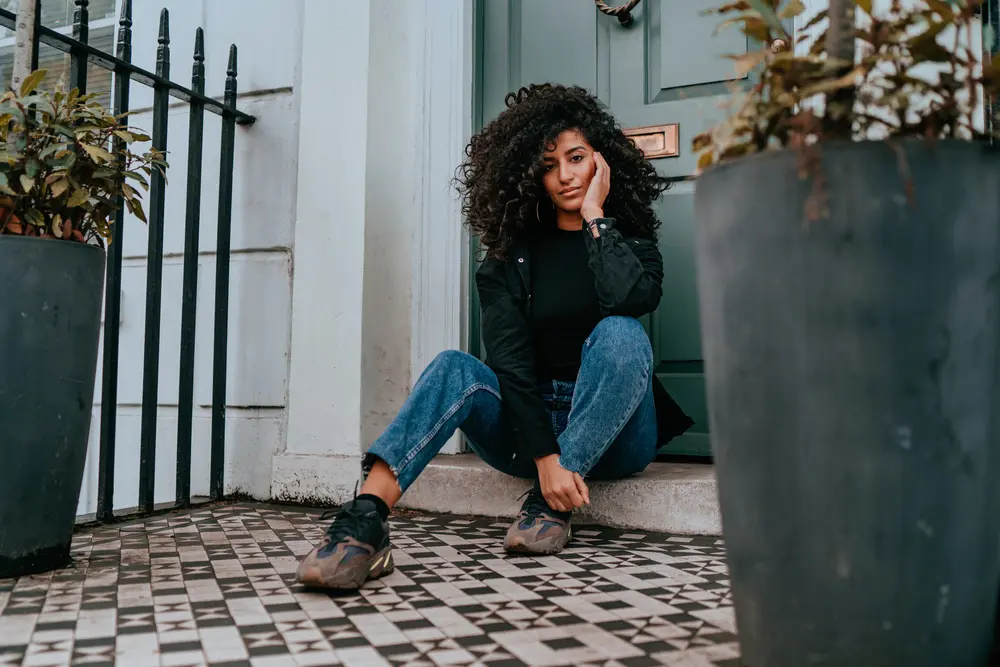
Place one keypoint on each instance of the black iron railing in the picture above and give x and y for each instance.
(82, 55)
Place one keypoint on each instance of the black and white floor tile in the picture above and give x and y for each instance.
(214, 586)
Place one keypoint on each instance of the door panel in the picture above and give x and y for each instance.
(677, 32)
(527, 41)
(664, 68)
(679, 306)
(668, 67)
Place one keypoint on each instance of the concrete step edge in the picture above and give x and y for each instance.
(677, 498)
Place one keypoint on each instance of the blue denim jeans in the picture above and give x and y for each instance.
(605, 422)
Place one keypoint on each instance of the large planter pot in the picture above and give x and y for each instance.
(50, 315)
(852, 388)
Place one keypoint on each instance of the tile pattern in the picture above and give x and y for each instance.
(215, 586)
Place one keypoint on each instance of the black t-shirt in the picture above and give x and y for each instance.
(564, 306)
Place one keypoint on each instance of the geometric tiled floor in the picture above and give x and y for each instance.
(214, 586)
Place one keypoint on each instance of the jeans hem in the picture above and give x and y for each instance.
(369, 460)
(379, 454)
(399, 467)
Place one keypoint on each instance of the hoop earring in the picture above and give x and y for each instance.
(538, 216)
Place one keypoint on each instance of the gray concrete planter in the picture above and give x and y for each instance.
(852, 367)
(50, 316)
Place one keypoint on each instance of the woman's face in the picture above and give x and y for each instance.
(568, 167)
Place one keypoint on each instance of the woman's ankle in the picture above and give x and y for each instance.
(382, 484)
(380, 505)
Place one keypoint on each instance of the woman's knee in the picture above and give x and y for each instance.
(454, 365)
(622, 340)
(452, 359)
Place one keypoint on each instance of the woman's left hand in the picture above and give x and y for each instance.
(600, 185)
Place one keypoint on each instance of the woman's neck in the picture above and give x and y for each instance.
(570, 221)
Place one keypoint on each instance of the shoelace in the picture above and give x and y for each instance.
(535, 504)
(348, 521)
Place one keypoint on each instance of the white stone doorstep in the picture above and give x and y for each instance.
(668, 497)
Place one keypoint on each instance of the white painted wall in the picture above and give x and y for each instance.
(264, 203)
(440, 275)
(349, 266)
(379, 248)
(391, 195)
(325, 387)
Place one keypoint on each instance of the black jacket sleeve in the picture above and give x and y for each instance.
(628, 273)
(511, 356)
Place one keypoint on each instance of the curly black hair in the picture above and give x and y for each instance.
(500, 181)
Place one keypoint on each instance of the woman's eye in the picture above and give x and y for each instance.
(577, 158)
(547, 167)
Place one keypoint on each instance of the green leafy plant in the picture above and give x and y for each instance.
(68, 163)
(853, 73)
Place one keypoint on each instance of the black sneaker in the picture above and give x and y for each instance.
(355, 549)
(538, 529)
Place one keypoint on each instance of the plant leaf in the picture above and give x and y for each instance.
(767, 13)
(791, 10)
(50, 150)
(32, 167)
(62, 161)
(78, 198)
(135, 207)
(745, 62)
(63, 130)
(31, 81)
(26, 183)
(97, 153)
(59, 187)
(35, 217)
(136, 176)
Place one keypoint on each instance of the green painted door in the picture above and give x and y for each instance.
(666, 67)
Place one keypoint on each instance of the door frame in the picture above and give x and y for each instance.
(473, 340)
(443, 106)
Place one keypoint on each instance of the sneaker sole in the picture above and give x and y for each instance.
(380, 565)
(550, 550)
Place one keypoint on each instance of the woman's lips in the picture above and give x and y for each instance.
(569, 192)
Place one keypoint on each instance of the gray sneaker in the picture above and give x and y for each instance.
(355, 549)
(538, 529)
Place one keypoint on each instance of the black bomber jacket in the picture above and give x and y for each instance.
(628, 276)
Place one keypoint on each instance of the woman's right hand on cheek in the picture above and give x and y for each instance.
(563, 490)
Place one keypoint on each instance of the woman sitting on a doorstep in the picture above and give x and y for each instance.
(562, 203)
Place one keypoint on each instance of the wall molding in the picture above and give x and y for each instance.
(440, 276)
